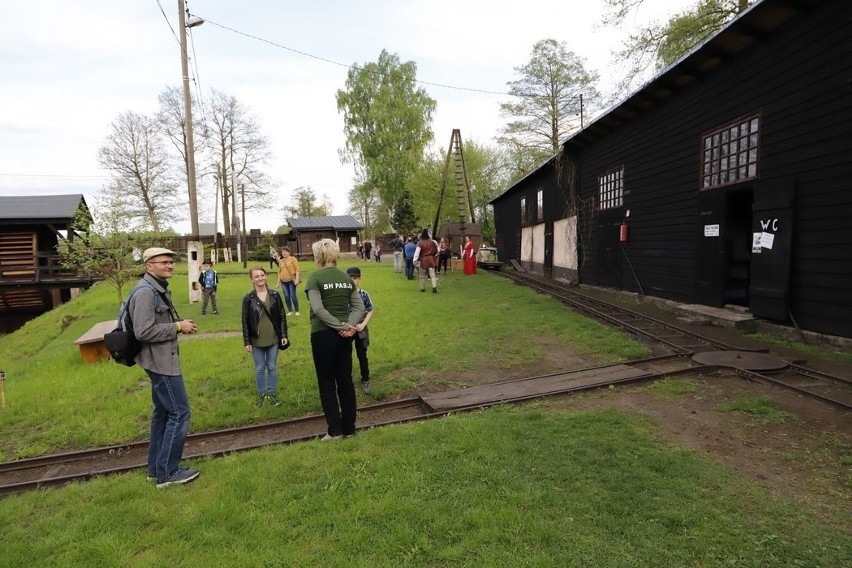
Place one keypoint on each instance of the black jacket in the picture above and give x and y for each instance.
(253, 308)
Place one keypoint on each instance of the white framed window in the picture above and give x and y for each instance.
(539, 206)
(730, 153)
(611, 189)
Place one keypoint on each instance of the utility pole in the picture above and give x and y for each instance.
(187, 111)
(243, 234)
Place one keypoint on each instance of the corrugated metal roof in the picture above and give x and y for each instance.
(334, 222)
(40, 207)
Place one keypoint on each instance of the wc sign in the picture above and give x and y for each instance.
(763, 239)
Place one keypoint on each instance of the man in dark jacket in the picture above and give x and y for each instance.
(398, 246)
(156, 325)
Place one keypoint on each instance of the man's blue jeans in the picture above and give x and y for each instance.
(289, 289)
(265, 363)
(409, 267)
(169, 424)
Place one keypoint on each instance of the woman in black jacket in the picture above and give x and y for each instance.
(264, 334)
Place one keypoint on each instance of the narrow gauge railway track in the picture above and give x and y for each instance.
(811, 382)
(58, 469)
(681, 344)
(827, 388)
(677, 339)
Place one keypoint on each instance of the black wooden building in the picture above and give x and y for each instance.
(727, 179)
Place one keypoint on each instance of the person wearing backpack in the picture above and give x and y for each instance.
(209, 280)
(156, 326)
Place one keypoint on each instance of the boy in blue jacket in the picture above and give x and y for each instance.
(209, 281)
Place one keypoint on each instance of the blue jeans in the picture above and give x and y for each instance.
(290, 296)
(169, 424)
(265, 367)
(409, 267)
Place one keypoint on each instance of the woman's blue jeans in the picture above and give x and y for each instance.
(169, 424)
(289, 289)
(265, 368)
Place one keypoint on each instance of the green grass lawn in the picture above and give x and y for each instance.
(525, 485)
(55, 401)
(510, 486)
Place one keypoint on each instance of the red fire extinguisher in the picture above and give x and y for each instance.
(622, 232)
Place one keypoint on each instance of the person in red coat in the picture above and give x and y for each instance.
(469, 256)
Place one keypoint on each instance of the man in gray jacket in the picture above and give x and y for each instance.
(156, 326)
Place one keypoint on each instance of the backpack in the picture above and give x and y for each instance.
(210, 278)
(121, 342)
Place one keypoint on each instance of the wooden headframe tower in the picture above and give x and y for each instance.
(465, 221)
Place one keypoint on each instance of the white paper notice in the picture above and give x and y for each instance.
(766, 240)
(711, 230)
(755, 243)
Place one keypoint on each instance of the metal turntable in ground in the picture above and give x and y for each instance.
(745, 360)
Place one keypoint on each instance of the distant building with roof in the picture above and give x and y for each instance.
(32, 281)
(308, 230)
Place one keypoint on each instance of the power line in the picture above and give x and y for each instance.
(50, 175)
(355, 67)
(168, 22)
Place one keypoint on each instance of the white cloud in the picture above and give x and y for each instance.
(69, 68)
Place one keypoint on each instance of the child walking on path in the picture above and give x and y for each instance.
(362, 338)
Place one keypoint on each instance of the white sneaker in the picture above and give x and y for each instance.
(297, 313)
(289, 313)
(328, 437)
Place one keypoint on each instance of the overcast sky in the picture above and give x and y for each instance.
(69, 68)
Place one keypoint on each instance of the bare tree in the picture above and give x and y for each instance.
(239, 152)
(172, 123)
(550, 91)
(142, 180)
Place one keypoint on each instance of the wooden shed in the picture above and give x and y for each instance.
(308, 230)
(724, 180)
(32, 280)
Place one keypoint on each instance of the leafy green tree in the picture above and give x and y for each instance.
(364, 206)
(305, 203)
(108, 245)
(488, 178)
(404, 220)
(426, 189)
(552, 90)
(657, 45)
(387, 122)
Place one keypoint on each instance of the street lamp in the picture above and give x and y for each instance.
(187, 110)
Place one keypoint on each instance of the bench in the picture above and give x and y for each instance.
(92, 347)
